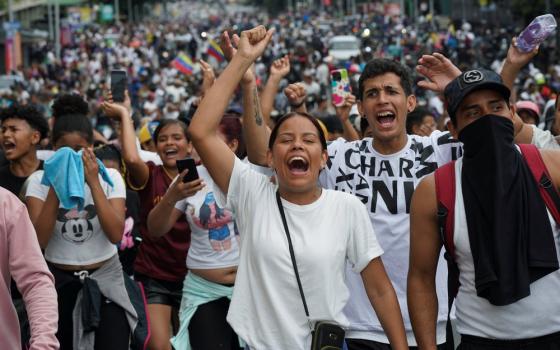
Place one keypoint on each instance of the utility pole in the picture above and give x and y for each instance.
(49, 15)
(9, 41)
(57, 28)
(117, 12)
(130, 12)
(432, 10)
(10, 11)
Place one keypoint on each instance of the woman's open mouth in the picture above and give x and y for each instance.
(298, 165)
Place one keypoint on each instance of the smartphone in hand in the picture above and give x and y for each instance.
(340, 86)
(118, 84)
(187, 163)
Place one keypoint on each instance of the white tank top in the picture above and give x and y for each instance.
(533, 316)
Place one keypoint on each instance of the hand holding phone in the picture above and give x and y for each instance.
(187, 163)
(340, 86)
(118, 84)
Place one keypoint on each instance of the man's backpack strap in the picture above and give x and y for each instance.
(548, 192)
(445, 191)
(444, 178)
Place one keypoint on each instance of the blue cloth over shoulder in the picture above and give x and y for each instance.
(64, 171)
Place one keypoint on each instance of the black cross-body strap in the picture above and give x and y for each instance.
(281, 208)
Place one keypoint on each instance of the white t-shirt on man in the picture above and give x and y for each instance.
(266, 309)
(536, 315)
(385, 184)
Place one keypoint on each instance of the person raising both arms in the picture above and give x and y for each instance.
(326, 227)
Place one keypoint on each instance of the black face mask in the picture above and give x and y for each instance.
(509, 229)
(490, 132)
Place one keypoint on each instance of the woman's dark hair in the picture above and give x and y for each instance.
(167, 122)
(30, 114)
(69, 104)
(416, 117)
(231, 127)
(108, 152)
(70, 123)
(279, 122)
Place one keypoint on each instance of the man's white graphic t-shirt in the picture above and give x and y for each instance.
(385, 184)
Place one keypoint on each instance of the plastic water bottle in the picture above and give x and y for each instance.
(536, 32)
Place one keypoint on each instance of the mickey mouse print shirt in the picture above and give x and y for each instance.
(78, 237)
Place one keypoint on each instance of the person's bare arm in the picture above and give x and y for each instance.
(343, 114)
(279, 69)
(556, 125)
(110, 212)
(215, 154)
(425, 246)
(382, 297)
(164, 215)
(515, 61)
(255, 130)
(138, 171)
(513, 64)
(43, 215)
(551, 159)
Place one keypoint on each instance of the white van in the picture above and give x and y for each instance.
(342, 47)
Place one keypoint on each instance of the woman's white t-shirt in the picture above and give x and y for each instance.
(78, 237)
(214, 236)
(266, 309)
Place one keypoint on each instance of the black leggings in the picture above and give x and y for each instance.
(113, 331)
(209, 329)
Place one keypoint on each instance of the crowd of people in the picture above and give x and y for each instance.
(308, 224)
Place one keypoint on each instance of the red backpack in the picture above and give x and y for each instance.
(445, 192)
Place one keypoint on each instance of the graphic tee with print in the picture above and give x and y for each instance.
(78, 237)
(385, 184)
(214, 235)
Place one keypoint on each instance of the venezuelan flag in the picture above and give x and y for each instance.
(184, 64)
(215, 51)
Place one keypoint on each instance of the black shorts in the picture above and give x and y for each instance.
(160, 291)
